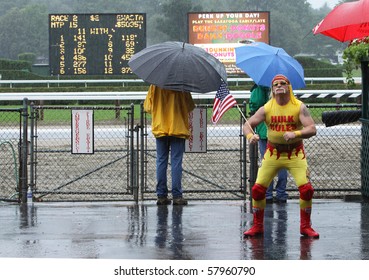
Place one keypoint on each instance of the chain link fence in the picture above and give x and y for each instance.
(228, 168)
(365, 158)
(10, 141)
(122, 164)
(217, 173)
(334, 153)
(103, 173)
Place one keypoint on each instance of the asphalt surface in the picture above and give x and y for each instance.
(202, 230)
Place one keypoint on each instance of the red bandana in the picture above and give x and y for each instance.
(280, 77)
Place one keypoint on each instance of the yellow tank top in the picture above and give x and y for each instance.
(281, 119)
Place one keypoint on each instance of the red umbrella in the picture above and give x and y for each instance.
(346, 22)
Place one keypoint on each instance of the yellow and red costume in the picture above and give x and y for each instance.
(281, 154)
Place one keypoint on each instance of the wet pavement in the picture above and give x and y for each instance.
(202, 230)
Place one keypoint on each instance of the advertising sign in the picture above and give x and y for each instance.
(219, 33)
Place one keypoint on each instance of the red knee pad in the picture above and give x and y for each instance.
(306, 191)
(258, 192)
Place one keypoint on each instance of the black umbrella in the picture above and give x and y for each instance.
(179, 66)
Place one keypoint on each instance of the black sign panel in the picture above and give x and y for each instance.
(94, 44)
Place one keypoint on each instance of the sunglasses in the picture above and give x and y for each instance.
(282, 83)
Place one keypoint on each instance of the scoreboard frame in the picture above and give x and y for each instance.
(94, 44)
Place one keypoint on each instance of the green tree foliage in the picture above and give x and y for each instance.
(24, 30)
(6, 5)
(174, 20)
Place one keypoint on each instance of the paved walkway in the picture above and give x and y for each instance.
(210, 230)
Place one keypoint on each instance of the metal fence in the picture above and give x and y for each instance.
(10, 143)
(122, 165)
(365, 158)
(104, 173)
(227, 170)
(334, 154)
(220, 172)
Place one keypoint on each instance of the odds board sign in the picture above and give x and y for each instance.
(197, 143)
(82, 131)
(219, 33)
(94, 44)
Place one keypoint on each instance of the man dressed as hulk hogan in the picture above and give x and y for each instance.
(288, 122)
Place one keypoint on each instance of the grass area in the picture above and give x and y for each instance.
(51, 116)
(102, 113)
(356, 73)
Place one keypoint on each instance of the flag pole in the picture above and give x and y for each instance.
(223, 93)
(239, 109)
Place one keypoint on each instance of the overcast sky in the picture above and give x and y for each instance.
(316, 4)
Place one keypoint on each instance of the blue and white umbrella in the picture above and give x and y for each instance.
(262, 62)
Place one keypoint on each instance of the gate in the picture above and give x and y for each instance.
(103, 171)
(218, 173)
(10, 139)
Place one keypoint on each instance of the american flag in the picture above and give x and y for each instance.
(223, 101)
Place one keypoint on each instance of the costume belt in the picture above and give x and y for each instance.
(287, 148)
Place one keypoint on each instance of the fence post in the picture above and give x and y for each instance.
(32, 147)
(24, 152)
(365, 129)
(142, 152)
(365, 88)
(253, 164)
(243, 155)
(133, 156)
(117, 110)
(135, 165)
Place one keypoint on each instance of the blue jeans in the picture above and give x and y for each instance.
(282, 177)
(176, 146)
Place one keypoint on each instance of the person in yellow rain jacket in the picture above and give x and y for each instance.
(170, 126)
(288, 123)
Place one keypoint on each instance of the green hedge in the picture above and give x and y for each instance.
(323, 72)
(6, 64)
(21, 69)
(312, 68)
(316, 68)
(19, 75)
(30, 57)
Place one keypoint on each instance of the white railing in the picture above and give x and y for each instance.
(140, 95)
(307, 80)
(124, 82)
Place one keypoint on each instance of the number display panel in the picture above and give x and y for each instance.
(94, 44)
